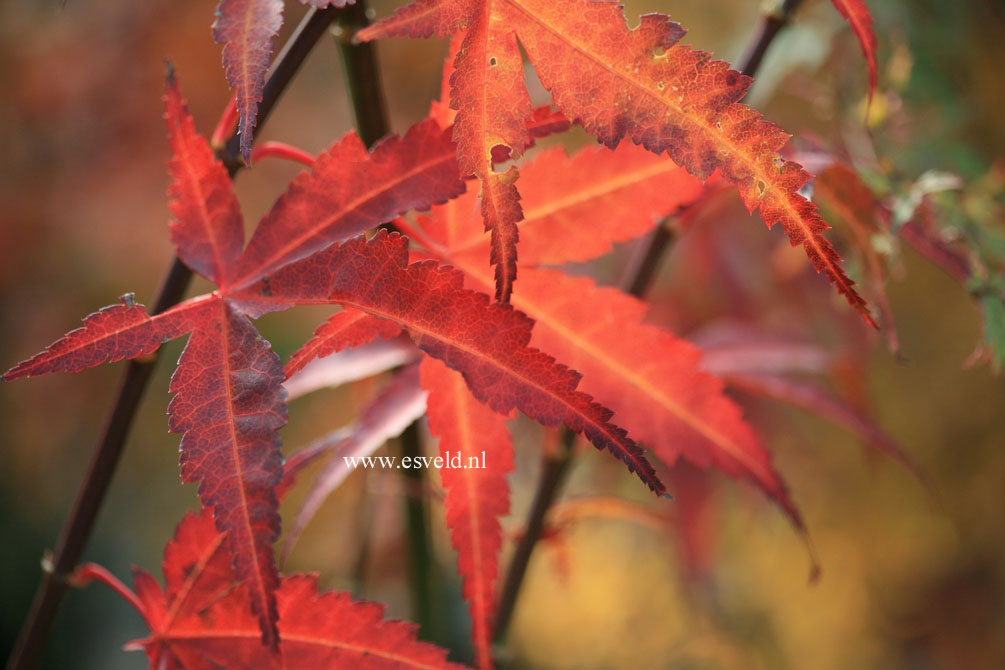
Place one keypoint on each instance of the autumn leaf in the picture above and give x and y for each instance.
(199, 620)
(246, 28)
(336, 200)
(110, 335)
(476, 497)
(500, 199)
(228, 405)
(487, 343)
(617, 82)
(576, 207)
(343, 330)
(648, 377)
(229, 401)
(856, 12)
(492, 108)
(207, 229)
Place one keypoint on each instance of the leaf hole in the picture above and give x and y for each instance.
(660, 85)
(492, 61)
(761, 187)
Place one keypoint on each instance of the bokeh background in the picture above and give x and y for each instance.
(911, 578)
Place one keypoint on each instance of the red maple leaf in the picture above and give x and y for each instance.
(616, 82)
(200, 619)
(228, 397)
(229, 401)
(647, 376)
(487, 343)
(246, 29)
(476, 496)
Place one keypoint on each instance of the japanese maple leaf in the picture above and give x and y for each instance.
(651, 379)
(616, 82)
(228, 399)
(575, 209)
(246, 29)
(200, 619)
(475, 497)
(466, 428)
(486, 343)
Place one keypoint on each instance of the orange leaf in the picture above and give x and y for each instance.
(650, 378)
(576, 207)
(487, 343)
(636, 83)
(476, 496)
(200, 621)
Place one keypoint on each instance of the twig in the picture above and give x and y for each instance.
(77, 529)
(771, 24)
(554, 469)
(421, 573)
(362, 75)
(638, 283)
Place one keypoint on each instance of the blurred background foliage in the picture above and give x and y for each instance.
(912, 578)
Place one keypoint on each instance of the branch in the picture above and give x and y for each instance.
(554, 470)
(638, 282)
(362, 75)
(77, 529)
(772, 23)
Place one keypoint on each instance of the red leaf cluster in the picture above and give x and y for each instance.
(602, 372)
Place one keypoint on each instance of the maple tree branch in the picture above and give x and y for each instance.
(555, 467)
(638, 281)
(640, 276)
(771, 24)
(419, 541)
(31, 642)
(362, 74)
